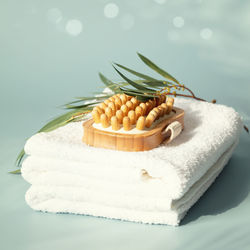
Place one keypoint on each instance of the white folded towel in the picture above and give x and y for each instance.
(130, 206)
(68, 176)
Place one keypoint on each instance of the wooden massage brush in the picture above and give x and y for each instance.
(124, 123)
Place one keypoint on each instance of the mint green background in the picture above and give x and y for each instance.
(42, 67)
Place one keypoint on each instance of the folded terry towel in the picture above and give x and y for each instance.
(130, 206)
(62, 166)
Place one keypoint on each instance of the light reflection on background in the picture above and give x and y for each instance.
(206, 33)
(178, 22)
(74, 27)
(198, 23)
(71, 41)
(111, 10)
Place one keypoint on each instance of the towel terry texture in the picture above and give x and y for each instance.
(156, 186)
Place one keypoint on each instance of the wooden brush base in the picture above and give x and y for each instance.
(131, 142)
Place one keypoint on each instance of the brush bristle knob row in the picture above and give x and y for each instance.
(127, 110)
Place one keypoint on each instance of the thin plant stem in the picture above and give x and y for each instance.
(190, 96)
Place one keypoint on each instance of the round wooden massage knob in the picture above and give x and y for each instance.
(170, 100)
(150, 119)
(141, 123)
(157, 111)
(103, 106)
(115, 123)
(148, 107)
(134, 101)
(123, 98)
(98, 109)
(112, 106)
(119, 115)
(138, 111)
(170, 103)
(130, 105)
(161, 111)
(126, 123)
(104, 120)
(112, 99)
(96, 116)
(109, 112)
(118, 102)
(165, 107)
(124, 109)
(144, 108)
(107, 101)
(154, 113)
(132, 116)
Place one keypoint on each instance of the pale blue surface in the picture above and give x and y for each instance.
(42, 66)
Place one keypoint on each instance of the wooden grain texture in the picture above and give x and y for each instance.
(131, 142)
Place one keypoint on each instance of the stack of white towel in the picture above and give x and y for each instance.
(156, 186)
